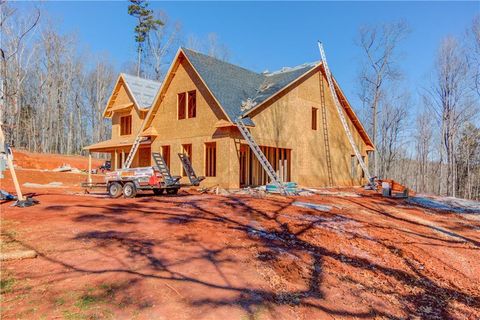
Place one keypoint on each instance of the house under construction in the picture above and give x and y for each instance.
(290, 113)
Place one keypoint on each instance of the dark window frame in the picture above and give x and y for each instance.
(181, 105)
(314, 118)
(166, 154)
(126, 126)
(191, 104)
(210, 159)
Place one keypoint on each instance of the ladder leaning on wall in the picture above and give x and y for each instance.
(261, 157)
(326, 139)
(340, 112)
(136, 144)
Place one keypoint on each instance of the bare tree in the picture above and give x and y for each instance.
(15, 32)
(379, 45)
(98, 86)
(393, 123)
(423, 144)
(473, 53)
(161, 44)
(450, 100)
(468, 162)
(217, 49)
(210, 46)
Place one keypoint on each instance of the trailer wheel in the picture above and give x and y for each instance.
(115, 189)
(129, 190)
(158, 192)
(172, 191)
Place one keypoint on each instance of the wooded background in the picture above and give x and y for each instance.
(53, 95)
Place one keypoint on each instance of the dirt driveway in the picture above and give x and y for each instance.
(197, 256)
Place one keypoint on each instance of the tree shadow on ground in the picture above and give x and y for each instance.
(267, 232)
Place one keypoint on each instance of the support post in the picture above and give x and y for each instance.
(123, 158)
(89, 167)
(115, 165)
(20, 196)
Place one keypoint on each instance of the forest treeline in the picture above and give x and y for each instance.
(53, 94)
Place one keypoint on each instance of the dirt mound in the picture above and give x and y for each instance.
(50, 161)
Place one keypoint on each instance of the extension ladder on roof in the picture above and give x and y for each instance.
(260, 156)
(187, 166)
(164, 170)
(340, 112)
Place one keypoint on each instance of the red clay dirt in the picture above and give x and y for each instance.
(32, 160)
(202, 256)
(36, 168)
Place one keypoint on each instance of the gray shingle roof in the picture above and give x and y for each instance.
(233, 86)
(143, 90)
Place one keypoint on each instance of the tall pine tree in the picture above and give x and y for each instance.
(146, 23)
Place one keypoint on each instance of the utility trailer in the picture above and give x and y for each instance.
(129, 181)
(158, 179)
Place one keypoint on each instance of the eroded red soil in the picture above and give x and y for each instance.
(32, 160)
(199, 256)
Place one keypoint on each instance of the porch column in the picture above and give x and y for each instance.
(115, 164)
(89, 167)
(123, 158)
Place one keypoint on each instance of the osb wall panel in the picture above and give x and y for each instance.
(195, 131)
(135, 161)
(286, 123)
(137, 117)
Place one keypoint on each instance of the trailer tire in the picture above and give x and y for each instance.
(115, 189)
(158, 192)
(172, 191)
(129, 190)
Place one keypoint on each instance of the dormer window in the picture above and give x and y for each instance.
(125, 125)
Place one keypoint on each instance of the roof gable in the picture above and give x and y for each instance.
(238, 89)
(141, 93)
(142, 90)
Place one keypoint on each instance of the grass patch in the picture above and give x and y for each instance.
(69, 315)
(6, 285)
(59, 301)
(109, 290)
(86, 301)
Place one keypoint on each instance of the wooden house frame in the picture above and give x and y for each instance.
(128, 107)
(279, 108)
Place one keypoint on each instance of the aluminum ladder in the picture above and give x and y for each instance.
(340, 112)
(133, 151)
(164, 170)
(261, 157)
(187, 166)
(326, 139)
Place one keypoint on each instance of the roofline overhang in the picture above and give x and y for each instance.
(281, 90)
(357, 123)
(159, 96)
(129, 92)
(205, 84)
(92, 147)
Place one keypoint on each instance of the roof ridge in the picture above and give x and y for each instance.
(145, 79)
(291, 69)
